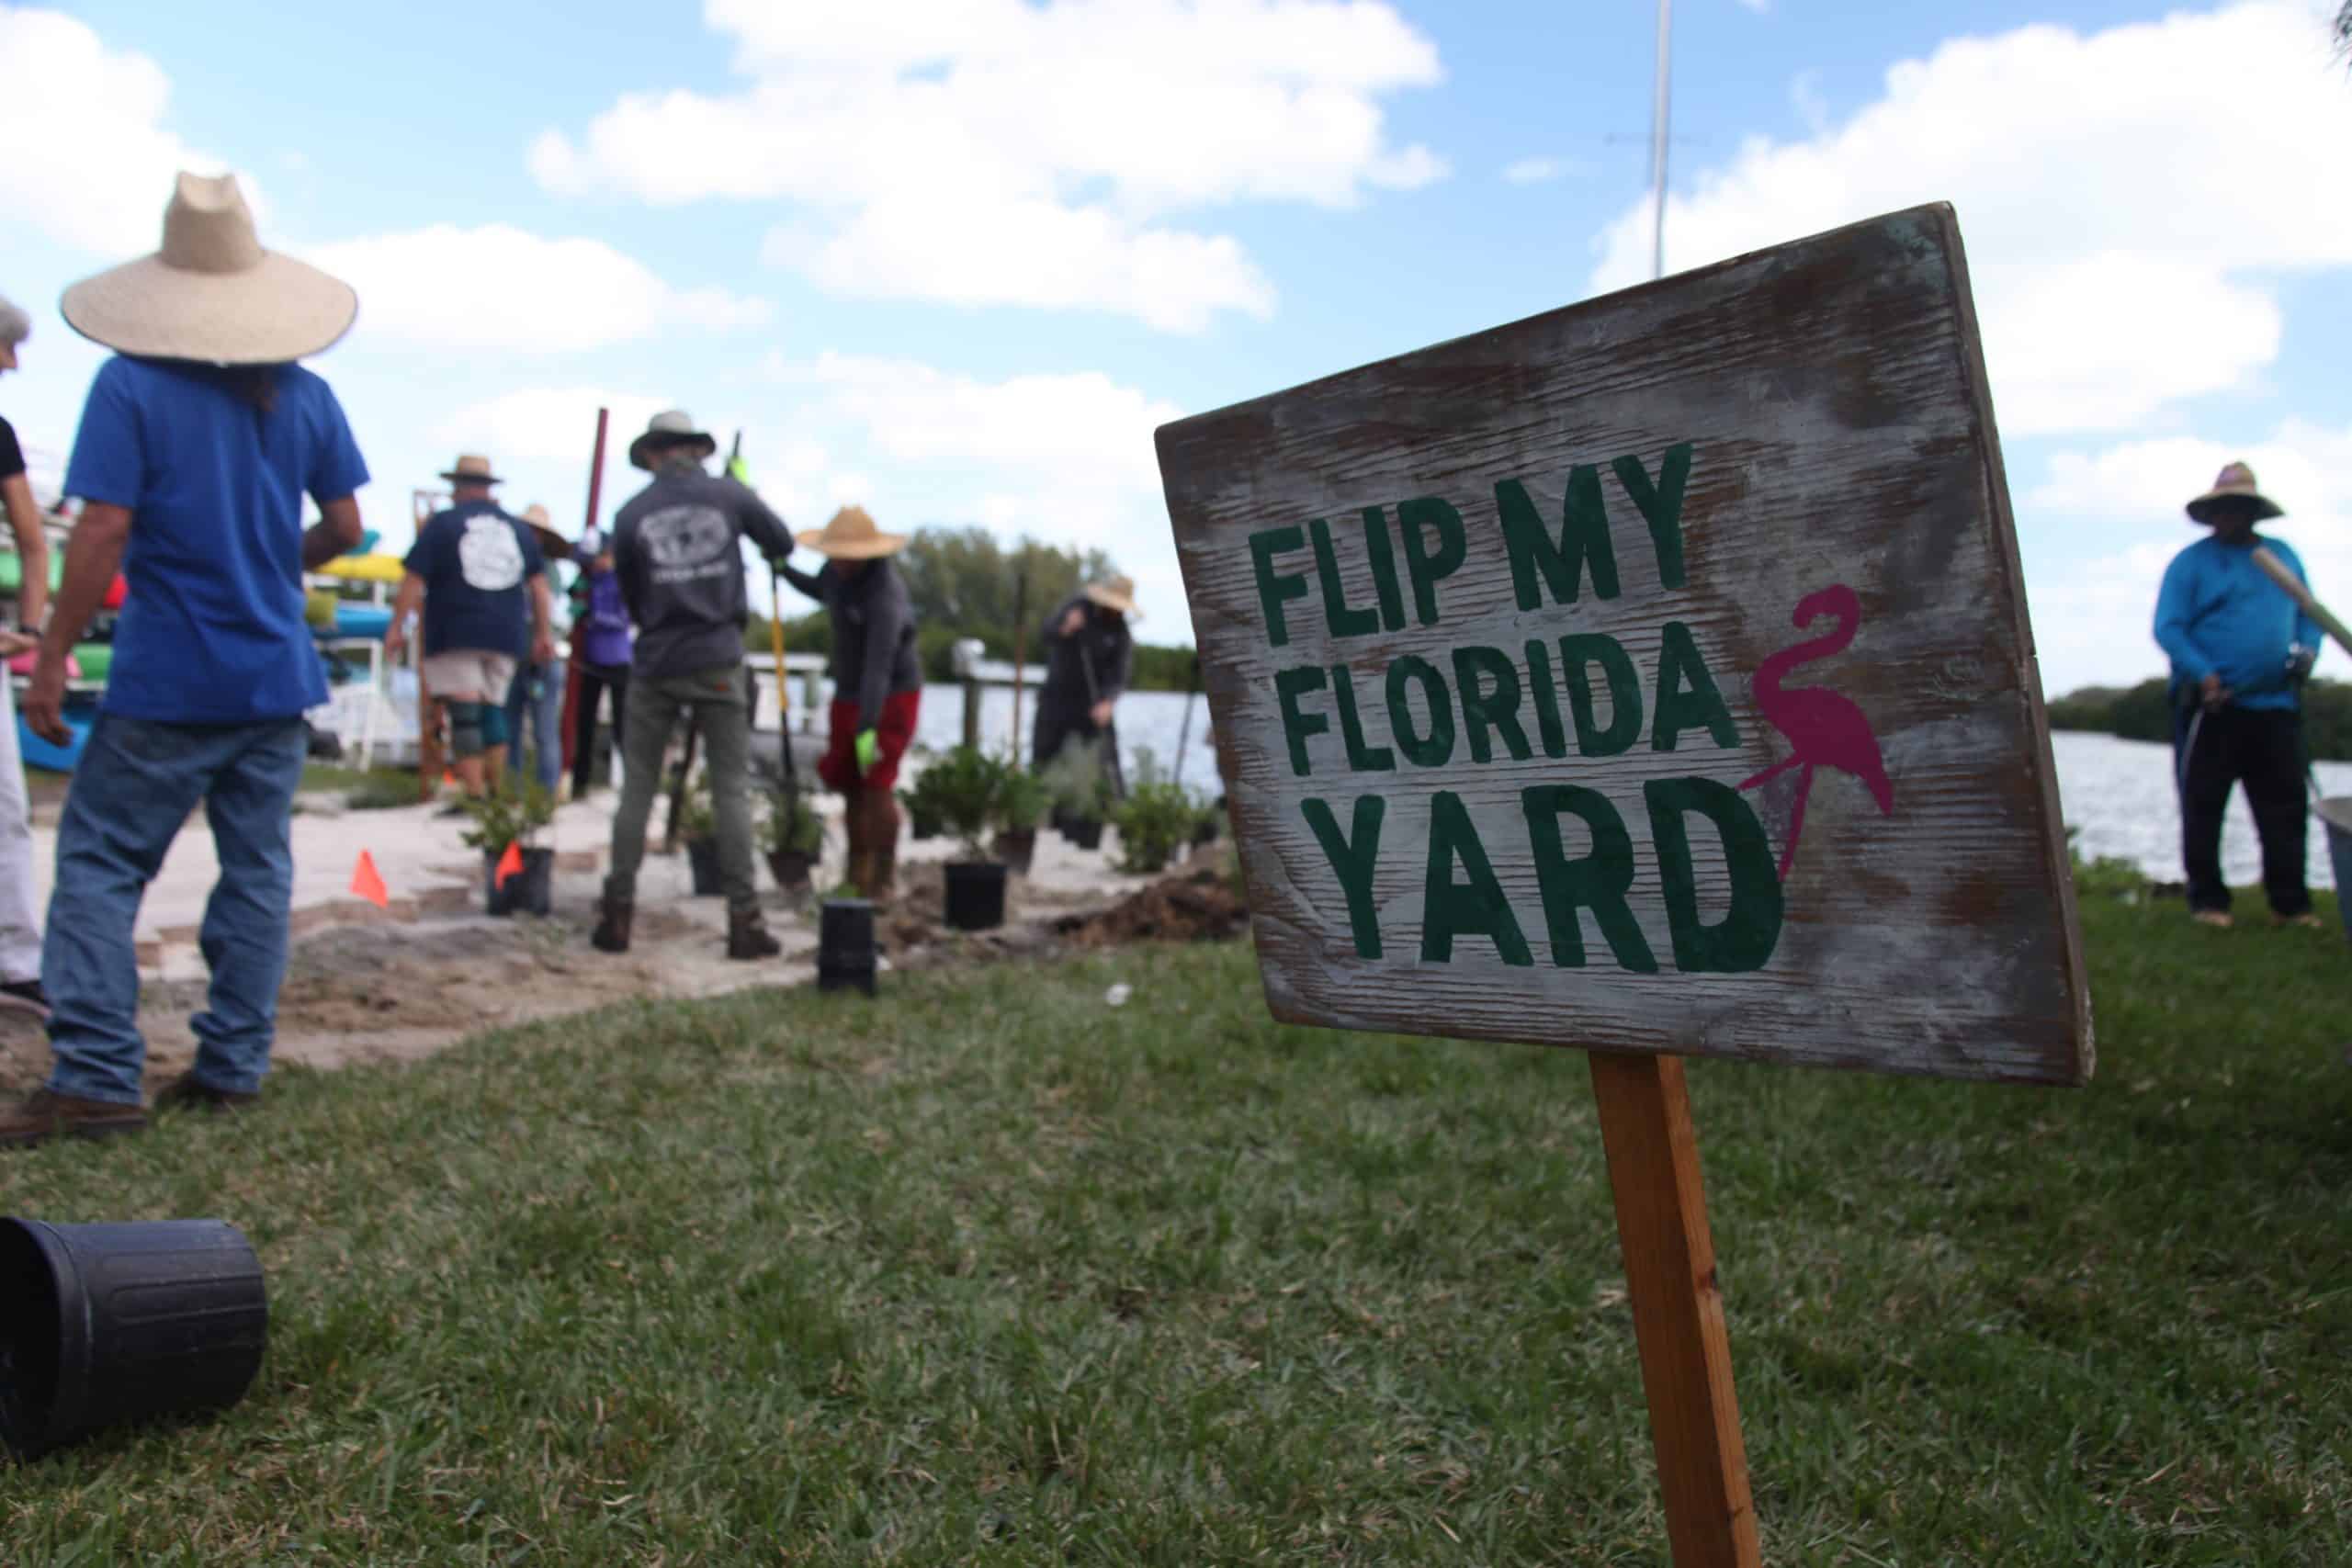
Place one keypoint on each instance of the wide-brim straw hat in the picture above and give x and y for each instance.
(671, 428)
(2235, 483)
(552, 544)
(472, 468)
(1115, 593)
(851, 535)
(211, 293)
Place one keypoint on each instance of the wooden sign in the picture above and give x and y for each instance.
(1652, 675)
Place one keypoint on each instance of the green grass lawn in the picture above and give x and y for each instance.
(991, 1272)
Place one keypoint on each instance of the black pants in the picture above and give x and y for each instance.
(594, 680)
(2262, 748)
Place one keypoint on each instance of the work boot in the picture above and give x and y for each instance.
(748, 937)
(612, 926)
(186, 1092)
(45, 1113)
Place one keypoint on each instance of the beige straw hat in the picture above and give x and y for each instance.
(552, 544)
(851, 535)
(211, 293)
(471, 468)
(2235, 483)
(1115, 593)
(668, 428)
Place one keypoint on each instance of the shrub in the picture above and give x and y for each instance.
(512, 814)
(966, 786)
(1022, 800)
(792, 825)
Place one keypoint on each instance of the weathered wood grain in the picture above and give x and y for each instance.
(1833, 399)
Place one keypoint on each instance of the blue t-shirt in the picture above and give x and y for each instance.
(211, 630)
(477, 563)
(2218, 614)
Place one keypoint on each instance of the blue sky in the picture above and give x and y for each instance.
(955, 260)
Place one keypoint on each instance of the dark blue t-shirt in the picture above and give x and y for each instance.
(211, 630)
(477, 563)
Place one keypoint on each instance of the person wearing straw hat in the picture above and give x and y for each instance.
(1089, 657)
(535, 697)
(479, 578)
(19, 921)
(2241, 648)
(677, 550)
(197, 442)
(877, 685)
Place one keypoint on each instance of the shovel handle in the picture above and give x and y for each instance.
(2284, 576)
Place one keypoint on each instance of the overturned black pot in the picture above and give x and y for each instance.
(845, 945)
(791, 869)
(702, 857)
(1017, 847)
(530, 891)
(101, 1326)
(1084, 832)
(975, 895)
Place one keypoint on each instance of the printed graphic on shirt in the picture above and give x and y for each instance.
(488, 554)
(683, 541)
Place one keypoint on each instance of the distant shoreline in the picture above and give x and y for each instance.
(2144, 713)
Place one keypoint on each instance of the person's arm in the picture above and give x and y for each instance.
(337, 532)
(885, 622)
(625, 569)
(406, 603)
(2308, 631)
(542, 620)
(2175, 602)
(32, 551)
(811, 583)
(1063, 624)
(1123, 666)
(93, 555)
(767, 530)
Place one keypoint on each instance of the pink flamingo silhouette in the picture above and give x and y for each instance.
(1826, 730)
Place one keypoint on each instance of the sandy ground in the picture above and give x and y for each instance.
(368, 985)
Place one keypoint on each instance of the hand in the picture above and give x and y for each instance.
(2299, 660)
(1073, 623)
(14, 643)
(1101, 713)
(2213, 692)
(739, 472)
(395, 639)
(869, 751)
(44, 709)
(542, 648)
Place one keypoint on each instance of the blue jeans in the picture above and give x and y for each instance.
(136, 785)
(536, 698)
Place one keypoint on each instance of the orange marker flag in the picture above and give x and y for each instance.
(367, 884)
(510, 863)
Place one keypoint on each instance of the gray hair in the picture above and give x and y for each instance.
(15, 325)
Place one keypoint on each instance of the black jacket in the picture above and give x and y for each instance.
(874, 634)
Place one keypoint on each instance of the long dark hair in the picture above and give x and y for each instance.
(253, 385)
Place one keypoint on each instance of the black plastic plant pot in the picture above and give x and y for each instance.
(845, 945)
(1086, 832)
(791, 869)
(530, 891)
(702, 855)
(975, 895)
(103, 1325)
(924, 827)
(1017, 847)
(1206, 830)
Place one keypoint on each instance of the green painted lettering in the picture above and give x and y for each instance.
(1489, 683)
(1743, 939)
(1274, 587)
(1547, 698)
(1435, 748)
(1428, 569)
(1352, 859)
(1598, 881)
(1476, 908)
(1343, 619)
(1583, 542)
(1687, 698)
(1383, 568)
(1360, 758)
(1289, 686)
(1661, 504)
(1578, 654)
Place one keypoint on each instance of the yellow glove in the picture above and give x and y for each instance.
(738, 470)
(869, 751)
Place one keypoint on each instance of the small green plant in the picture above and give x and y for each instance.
(512, 814)
(2109, 876)
(924, 801)
(1155, 821)
(792, 826)
(1075, 783)
(966, 786)
(1022, 800)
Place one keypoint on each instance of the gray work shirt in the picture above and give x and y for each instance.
(874, 634)
(677, 549)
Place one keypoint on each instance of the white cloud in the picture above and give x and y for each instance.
(83, 155)
(548, 422)
(2092, 620)
(499, 287)
(1541, 171)
(2121, 240)
(1000, 151)
(1805, 96)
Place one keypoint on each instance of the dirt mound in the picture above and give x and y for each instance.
(1194, 906)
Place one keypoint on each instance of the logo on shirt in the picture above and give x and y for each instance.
(488, 554)
(680, 538)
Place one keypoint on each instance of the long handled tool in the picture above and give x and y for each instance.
(783, 687)
(2280, 573)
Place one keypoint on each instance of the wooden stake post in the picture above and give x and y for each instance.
(1652, 677)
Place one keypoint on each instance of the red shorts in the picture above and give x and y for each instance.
(893, 735)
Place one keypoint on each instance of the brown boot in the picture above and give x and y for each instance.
(186, 1093)
(747, 936)
(44, 1114)
(612, 930)
(882, 843)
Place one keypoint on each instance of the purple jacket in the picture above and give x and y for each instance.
(606, 643)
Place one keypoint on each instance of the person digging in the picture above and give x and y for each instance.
(877, 685)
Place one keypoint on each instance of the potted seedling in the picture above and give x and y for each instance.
(924, 817)
(794, 839)
(1021, 803)
(698, 826)
(1075, 783)
(967, 785)
(1155, 819)
(511, 816)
